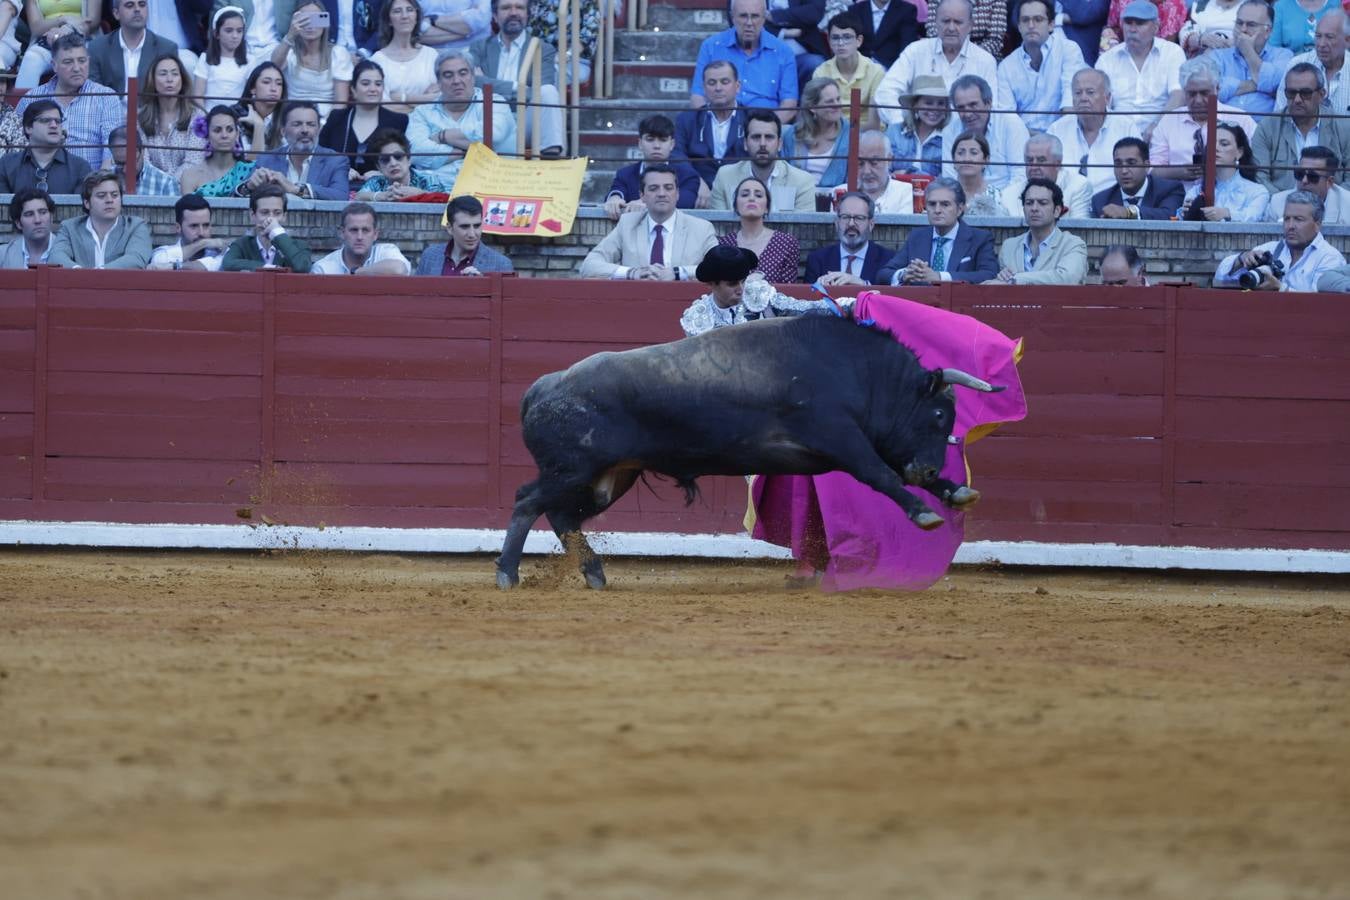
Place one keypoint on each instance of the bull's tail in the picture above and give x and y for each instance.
(688, 485)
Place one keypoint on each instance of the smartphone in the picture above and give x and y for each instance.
(318, 20)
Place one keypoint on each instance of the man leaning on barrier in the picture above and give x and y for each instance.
(465, 253)
(1293, 263)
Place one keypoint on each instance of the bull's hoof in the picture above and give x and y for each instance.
(506, 581)
(963, 498)
(928, 520)
(595, 580)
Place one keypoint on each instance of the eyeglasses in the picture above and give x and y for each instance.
(48, 120)
(387, 158)
(1309, 175)
(852, 220)
(1246, 24)
(843, 38)
(1303, 93)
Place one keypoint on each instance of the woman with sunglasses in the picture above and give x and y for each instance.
(349, 129)
(1237, 195)
(398, 178)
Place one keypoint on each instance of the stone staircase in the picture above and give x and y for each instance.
(652, 68)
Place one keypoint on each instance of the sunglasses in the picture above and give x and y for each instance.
(386, 158)
(1308, 175)
(1300, 93)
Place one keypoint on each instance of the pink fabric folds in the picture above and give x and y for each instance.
(858, 537)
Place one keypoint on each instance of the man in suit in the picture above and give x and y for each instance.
(1276, 145)
(888, 27)
(300, 166)
(501, 63)
(790, 188)
(713, 136)
(129, 49)
(32, 212)
(1044, 255)
(1136, 194)
(267, 246)
(853, 259)
(660, 244)
(465, 253)
(656, 141)
(123, 241)
(947, 249)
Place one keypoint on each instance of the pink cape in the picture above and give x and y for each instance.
(858, 537)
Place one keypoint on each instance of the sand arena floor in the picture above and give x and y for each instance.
(340, 726)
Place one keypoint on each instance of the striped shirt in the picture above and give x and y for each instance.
(92, 114)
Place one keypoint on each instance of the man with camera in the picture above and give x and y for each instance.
(1293, 263)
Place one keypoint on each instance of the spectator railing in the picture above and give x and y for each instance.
(529, 83)
(569, 51)
(602, 62)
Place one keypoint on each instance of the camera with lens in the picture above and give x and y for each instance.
(1266, 264)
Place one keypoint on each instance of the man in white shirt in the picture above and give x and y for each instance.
(32, 211)
(361, 252)
(195, 249)
(1089, 135)
(949, 55)
(1036, 76)
(442, 132)
(972, 99)
(1143, 70)
(1303, 253)
(661, 244)
(1044, 157)
(892, 198)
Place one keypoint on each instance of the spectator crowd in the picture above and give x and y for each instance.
(1047, 110)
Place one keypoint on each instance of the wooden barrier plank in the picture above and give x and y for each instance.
(1066, 459)
(179, 352)
(382, 485)
(352, 357)
(1044, 500)
(1304, 332)
(376, 442)
(1089, 415)
(1310, 378)
(389, 315)
(135, 394)
(1263, 462)
(155, 481)
(150, 436)
(1264, 508)
(16, 391)
(16, 350)
(1050, 371)
(1271, 419)
(304, 397)
(18, 312)
(524, 361)
(131, 310)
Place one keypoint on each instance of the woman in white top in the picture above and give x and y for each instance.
(1209, 26)
(315, 69)
(409, 65)
(222, 70)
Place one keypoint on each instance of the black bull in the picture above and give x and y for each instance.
(788, 396)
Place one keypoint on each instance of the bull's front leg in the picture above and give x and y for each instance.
(523, 516)
(867, 466)
(957, 496)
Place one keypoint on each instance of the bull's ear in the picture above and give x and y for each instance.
(934, 383)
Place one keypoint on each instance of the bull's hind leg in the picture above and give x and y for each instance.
(567, 526)
(523, 516)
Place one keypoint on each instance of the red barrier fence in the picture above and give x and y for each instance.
(1167, 416)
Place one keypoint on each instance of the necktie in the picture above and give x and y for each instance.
(1131, 201)
(848, 264)
(658, 247)
(940, 253)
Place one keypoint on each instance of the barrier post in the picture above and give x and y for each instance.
(854, 127)
(133, 145)
(1207, 184)
(487, 115)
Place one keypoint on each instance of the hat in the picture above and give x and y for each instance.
(1142, 10)
(925, 86)
(726, 263)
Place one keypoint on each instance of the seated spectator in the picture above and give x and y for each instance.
(890, 197)
(737, 295)
(10, 14)
(1177, 149)
(1250, 70)
(1209, 26)
(1171, 17)
(1044, 157)
(847, 67)
(165, 116)
(1044, 255)
(222, 70)
(1089, 136)
(224, 172)
(441, 133)
(950, 56)
(1136, 194)
(45, 163)
(947, 249)
(398, 178)
(853, 258)
(1317, 173)
(1037, 76)
(316, 69)
(48, 22)
(267, 246)
(465, 253)
(887, 27)
(766, 66)
(409, 66)
(1329, 55)
(1122, 266)
(971, 159)
(102, 238)
(972, 98)
(1279, 139)
(817, 142)
(656, 142)
(1292, 24)
(1143, 67)
(90, 110)
(259, 107)
(916, 137)
(348, 130)
(33, 213)
(456, 24)
(300, 165)
(128, 49)
(713, 136)
(1237, 196)
(501, 63)
(793, 189)
(1303, 253)
(362, 252)
(195, 249)
(778, 251)
(150, 181)
(11, 128)
(661, 244)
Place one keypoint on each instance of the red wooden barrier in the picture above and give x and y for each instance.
(1167, 416)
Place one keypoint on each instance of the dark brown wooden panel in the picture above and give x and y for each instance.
(381, 441)
(16, 350)
(389, 315)
(354, 357)
(149, 436)
(1051, 371)
(151, 481)
(309, 398)
(208, 311)
(1089, 415)
(1263, 462)
(1215, 418)
(16, 391)
(1311, 378)
(136, 394)
(1262, 508)
(1303, 330)
(525, 361)
(1066, 459)
(380, 485)
(1036, 501)
(145, 351)
(18, 307)
(16, 434)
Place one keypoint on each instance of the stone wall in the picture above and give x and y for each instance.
(1176, 251)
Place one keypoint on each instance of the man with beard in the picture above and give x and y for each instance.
(501, 65)
(972, 99)
(195, 249)
(1303, 252)
(950, 55)
(854, 259)
(791, 188)
(300, 166)
(891, 197)
(1044, 255)
(948, 249)
(32, 212)
(766, 65)
(361, 252)
(1089, 135)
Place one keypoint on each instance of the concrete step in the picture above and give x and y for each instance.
(710, 15)
(654, 45)
(655, 83)
(609, 150)
(622, 116)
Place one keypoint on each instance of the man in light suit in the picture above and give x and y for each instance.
(790, 188)
(887, 28)
(1136, 194)
(853, 259)
(967, 253)
(661, 244)
(1279, 139)
(124, 241)
(132, 42)
(300, 166)
(501, 63)
(1044, 255)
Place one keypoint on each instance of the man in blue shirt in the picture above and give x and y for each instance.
(767, 65)
(1250, 70)
(1038, 75)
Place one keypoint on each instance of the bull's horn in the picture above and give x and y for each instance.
(965, 379)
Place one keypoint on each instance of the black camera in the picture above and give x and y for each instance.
(1266, 264)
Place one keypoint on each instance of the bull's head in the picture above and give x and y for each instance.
(935, 415)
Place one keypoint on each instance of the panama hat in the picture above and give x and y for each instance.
(924, 86)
